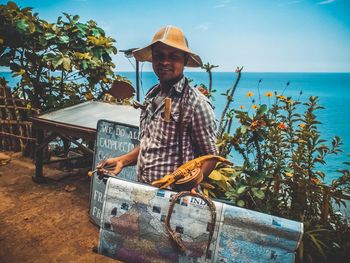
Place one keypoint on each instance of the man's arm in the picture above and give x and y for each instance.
(207, 167)
(204, 134)
(122, 161)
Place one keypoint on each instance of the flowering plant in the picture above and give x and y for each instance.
(283, 153)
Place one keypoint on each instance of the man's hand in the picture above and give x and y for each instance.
(110, 166)
(113, 166)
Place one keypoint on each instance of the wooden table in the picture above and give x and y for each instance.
(74, 123)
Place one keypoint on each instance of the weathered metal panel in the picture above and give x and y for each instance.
(132, 229)
(112, 139)
(87, 114)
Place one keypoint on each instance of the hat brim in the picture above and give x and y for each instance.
(145, 54)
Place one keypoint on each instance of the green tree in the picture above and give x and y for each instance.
(58, 63)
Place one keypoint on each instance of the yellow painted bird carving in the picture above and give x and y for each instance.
(189, 171)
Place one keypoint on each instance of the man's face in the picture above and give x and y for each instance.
(168, 62)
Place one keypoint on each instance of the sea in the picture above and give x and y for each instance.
(332, 89)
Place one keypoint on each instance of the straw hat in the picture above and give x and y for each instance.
(173, 37)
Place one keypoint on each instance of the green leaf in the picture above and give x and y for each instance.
(228, 171)
(49, 56)
(223, 185)
(262, 109)
(57, 61)
(241, 189)
(95, 32)
(258, 193)
(240, 203)
(76, 18)
(49, 36)
(244, 129)
(66, 63)
(26, 9)
(82, 28)
(97, 52)
(84, 65)
(31, 27)
(67, 16)
(216, 175)
(22, 25)
(64, 39)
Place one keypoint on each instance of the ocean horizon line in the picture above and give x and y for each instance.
(224, 71)
(316, 72)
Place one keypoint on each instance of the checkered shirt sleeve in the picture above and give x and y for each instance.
(204, 128)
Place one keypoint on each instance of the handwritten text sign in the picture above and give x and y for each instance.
(112, 139)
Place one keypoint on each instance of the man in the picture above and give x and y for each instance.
(190, 130)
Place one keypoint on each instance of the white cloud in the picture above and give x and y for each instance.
(219, 6)
(292, 2)
(222, 3)
(203, 27)
(325, 2)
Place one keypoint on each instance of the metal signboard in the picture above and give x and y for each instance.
(112, 139)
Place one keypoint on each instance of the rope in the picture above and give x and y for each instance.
(175, 237)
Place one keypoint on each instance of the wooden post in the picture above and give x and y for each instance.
(38, 177)
(137, 81)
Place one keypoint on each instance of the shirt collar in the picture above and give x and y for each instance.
(177, 87)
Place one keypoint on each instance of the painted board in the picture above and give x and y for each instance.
(112, 139)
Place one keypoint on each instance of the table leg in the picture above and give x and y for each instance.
(38, 177)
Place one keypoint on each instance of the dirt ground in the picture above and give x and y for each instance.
(47, 222)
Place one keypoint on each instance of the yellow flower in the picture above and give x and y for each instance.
(242, 107)
(250, 94)
(289, 174)
(268, 94)
(255, 106)
(302, 125)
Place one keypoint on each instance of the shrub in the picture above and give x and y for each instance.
(283, 154)
(58, 63)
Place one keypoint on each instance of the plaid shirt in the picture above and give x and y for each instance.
(159, 150)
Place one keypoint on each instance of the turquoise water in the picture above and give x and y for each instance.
(333, 90)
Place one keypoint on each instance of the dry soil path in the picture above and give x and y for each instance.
(48, 222)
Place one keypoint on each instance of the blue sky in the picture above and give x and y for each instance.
(261, 35)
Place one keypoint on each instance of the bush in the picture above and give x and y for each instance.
(283, 151)
(58, 63)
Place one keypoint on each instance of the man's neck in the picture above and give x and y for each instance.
(167, 85)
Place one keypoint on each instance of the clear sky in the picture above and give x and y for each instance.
(261, 35)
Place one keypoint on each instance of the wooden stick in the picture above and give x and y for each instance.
(167, 108)
(16, 136)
